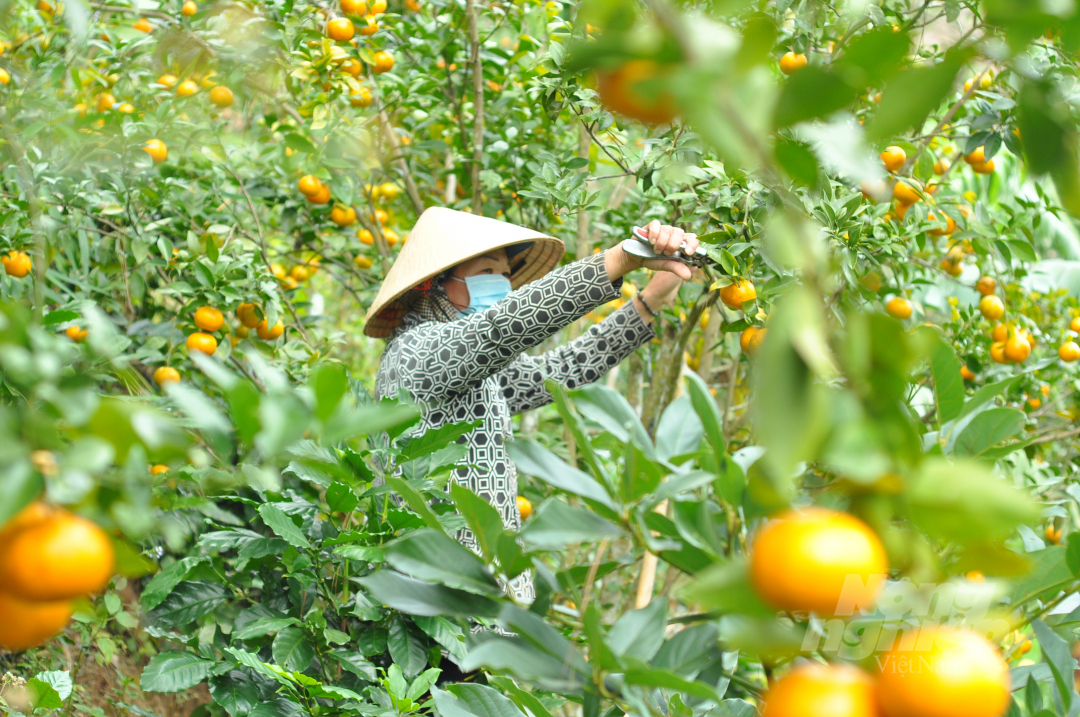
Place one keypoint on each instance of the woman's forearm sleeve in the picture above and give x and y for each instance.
(583, 360)
(437, 360)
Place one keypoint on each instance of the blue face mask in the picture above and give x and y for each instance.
(485, 290)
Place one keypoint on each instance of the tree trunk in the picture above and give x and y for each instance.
(478, 105)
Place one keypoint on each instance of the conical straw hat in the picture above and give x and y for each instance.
(443, 238)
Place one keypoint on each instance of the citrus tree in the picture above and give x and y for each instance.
(842, 475)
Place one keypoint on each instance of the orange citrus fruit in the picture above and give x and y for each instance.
(946, 672)
(353, 7)
(247, 315)
(208, 318)
(986, 285)
(269, 333)
(992, 307)
(997, 352)
(309, 185)
(186, 88)
(362, 262)
(365, 236)
(28, 624)
(143, 25)
(816, 690)
(377, 7)
(158, 470)
(370, 26)
(17, 264)
(166, 374)
(637, 90)
(1069, 351)
(950, 224)
(340, 29)
(894, 158)
(156, 149)
(189, 9)
(221, 96)
(58, 557)
(966, 373)
(167, 81)
(792, 62)
(343, 216)
(360, 98)
(76, 334)
(976, 157)
(320, 197)
(1017, 348)
(205, 343)
(899, 308)
(802, 559)
(905, 193)
(986, 167)
(1074, 325)
(524, 507)
(733, 295)
(384, 62)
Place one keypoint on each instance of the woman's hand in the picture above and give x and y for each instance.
(665, 239)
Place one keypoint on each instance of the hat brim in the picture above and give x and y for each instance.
(430, 251)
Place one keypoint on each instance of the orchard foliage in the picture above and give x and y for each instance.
(198, 201)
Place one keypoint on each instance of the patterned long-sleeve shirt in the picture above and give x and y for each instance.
(475, 368)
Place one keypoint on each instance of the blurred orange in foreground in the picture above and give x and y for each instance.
(636, 90)
(815, 690)
(803, 559)
(946, 672)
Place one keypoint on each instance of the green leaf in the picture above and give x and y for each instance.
(43, 695)
(798, 160)
(639, 633)
(444, 632)
(535, 460)
(330, 382)
(174, 672)
(416, 501)
(522, 660)
(355, 664)
(988, 429)
(188, 602)
(948, 383)
(872, 57)
(813, 92)
(1049, 137)
(292, 650)
(726, 587)
(163, 583)
(1058, 656)
(236, 691)
(671, 681)
(1048, 573)
(340, 498)
(408, 647)
(283, 526)
(913, 94)
(679, 431)
(436, 439)
(261, 626)
(1072, 553)
(470, 700)
(417, 598)
(484, 520)
(59, 680)
(432, 556)
(966, 503)
(708, 413)
(554, 525)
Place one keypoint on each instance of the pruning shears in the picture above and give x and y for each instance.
(640, 246)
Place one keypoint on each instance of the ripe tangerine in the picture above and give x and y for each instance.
(792, 62)
(735, 294)
(960, 674)
(57, 557)
(208, 318)
(801, 561)
(637, 90)
(28, 624)
(816, 690)
(204, 343)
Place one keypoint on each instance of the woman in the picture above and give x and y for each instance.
(468, 296)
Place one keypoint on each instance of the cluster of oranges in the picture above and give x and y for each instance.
(209, 320)
(48, 558)
(1011, 344)
(298, 274)
(800, 562)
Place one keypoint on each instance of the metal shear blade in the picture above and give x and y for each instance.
(641, 247)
